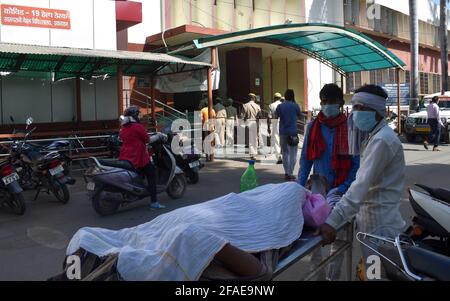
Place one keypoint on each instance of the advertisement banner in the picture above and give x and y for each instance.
(173, 79)
(16, 15)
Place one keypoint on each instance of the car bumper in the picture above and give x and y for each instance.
(422, 129)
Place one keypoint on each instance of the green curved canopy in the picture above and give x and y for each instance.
(343, 49)
(70, 62)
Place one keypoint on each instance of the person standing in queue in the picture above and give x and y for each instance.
(251, 111)
(288, 112)
(221, 116)
(275, 135)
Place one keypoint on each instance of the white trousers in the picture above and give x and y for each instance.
(220, 130)
(230, 131)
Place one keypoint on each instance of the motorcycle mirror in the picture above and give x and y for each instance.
(11, 118)
(29, 120)
(121, 118)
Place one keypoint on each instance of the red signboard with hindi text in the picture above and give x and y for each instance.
(16, 15)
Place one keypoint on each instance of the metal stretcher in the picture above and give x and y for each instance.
(308, 243)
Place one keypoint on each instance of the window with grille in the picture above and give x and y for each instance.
(391, 78)
(372, 77)
(376, 77)
(436, 83)
(350, 85)
(357, 76)
(424, 83)
(407, 76)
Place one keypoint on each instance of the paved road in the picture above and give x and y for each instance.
(32, 247)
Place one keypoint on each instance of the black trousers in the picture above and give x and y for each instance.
(149, 171)
(435, 134)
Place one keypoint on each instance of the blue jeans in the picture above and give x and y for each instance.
(289, 153)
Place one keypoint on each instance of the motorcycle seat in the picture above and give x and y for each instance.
(57, 144)
(438, 193)
(118, 163)
(429, 263)
(37, 158)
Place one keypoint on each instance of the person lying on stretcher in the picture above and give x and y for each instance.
(237, 236)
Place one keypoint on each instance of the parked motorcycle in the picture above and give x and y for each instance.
(60, 146)
(431, 225)
(109, 177)
(188, 159)
(40, 171)
(404, 260)
(10, 190)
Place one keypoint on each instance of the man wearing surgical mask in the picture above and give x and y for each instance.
(374, 196)
(326, 151)
(326, 144)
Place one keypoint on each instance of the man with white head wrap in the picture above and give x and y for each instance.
(374, 196)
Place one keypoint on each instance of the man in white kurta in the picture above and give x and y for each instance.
(374, 197)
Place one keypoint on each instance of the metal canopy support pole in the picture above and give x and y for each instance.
(119, 89)
(210, 84)
(399, 119)
(78, 110)
(78, 99)
(342, 82)
(152, 85)
(210, 88)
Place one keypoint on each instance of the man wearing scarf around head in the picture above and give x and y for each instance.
(326, 149)
(375, 195)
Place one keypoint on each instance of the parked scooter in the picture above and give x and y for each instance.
(110, 177)
(404, 260)
(10, 190)
(432, 219)
(40, 171)
(188, 159)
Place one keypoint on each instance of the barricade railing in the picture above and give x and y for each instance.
(77, 151)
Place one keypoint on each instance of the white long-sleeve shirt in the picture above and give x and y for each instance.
(434, 113)
(374, 197)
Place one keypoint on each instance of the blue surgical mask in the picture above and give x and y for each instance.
(365, 120)
(331, 111)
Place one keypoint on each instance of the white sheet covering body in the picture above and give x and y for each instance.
(180, 244)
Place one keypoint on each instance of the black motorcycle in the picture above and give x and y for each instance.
(40, 171)
(10, 190)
